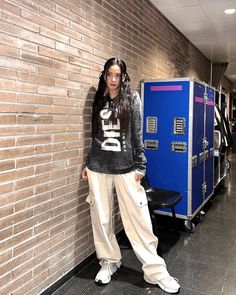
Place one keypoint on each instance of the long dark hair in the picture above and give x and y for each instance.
(124, 96)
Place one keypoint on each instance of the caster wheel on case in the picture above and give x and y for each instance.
(228, 165)
(199, 217)
(189, 226)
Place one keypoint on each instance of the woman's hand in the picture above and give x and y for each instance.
(84, 173)
(138, 175)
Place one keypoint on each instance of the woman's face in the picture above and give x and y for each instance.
(113, 78)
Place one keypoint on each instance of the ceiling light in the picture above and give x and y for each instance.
(229, 11)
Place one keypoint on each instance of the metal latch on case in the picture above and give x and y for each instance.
(178, 146)
(150, 144)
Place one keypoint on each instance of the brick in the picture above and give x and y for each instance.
(23, 226)
(36, 38)
(63, 3)
(64, 155)
(17, 64)
(35, 99)
(47, 244)
(16, 174)
(30, 289)
(54, 35)
(18, 43)
(10, 243)
(16, 152)
(6, 211)
(34, 241)
(13, 263)
(9, 142)
(14, 197)
(74, 94)
(35, 200)
(81, 45)
(55, 16)
(8, 51)
(22, 216)
(50, 148)
(52, 91)
(29, 265)
(67, 84)
(5, 279)
(85, 13)
(83, 78)
(37, 59)
(37, 119)
(66, 102)
(6, 188)
(68, 32)
(28, 4)
(31, 223)
(14, 108)
(5, 222)
(66, 66)
(55, 54)
(69, 14)
(68, 49)
(5, 257)
(17, 86)
(30, 181)
(7, 165)
(49, 224)
(7, 96)
(43, 208)
(51, 129)
(35, 140)
(6, 233)
(14, 285)
(33, 161)
(65, 137)
(9, 74)
(16, 130)
(52, 72)
(52, 110)
(38, 19)
(19, 21)
(15, 9)
(45, 168)
(9, 29)
(36, 79)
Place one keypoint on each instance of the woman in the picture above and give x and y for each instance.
(117, 160)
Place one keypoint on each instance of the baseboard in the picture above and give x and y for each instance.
(69, 275)
(75, 270)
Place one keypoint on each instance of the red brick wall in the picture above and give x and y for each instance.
(51, 53)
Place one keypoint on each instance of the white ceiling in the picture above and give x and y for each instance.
(206, 25)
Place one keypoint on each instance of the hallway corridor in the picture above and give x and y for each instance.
(204, 262)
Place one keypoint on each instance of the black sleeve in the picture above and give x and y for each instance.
(136, 133)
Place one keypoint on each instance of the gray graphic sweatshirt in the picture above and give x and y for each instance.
(113, 151)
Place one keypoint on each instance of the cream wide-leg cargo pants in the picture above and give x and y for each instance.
(136, 220)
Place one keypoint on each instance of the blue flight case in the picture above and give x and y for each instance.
(178, 135)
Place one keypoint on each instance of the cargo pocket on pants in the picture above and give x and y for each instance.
(90, 199)
(141, 198)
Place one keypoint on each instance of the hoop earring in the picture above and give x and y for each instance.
(101, 74)
(123, 80)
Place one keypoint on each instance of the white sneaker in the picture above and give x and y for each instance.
(107, 270)
(169, 285)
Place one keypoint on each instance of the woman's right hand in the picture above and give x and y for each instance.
(84, 173)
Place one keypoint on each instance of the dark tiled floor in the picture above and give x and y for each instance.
(204, 262)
